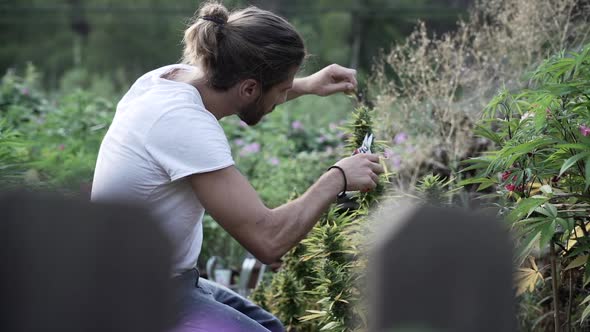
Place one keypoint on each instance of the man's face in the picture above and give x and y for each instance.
(252, 113)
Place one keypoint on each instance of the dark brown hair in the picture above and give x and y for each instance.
(248, 43)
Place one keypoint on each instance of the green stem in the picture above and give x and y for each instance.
(507, 119)
(554, 285)
(571, 195)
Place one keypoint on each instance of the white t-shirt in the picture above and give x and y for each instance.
(161, 133)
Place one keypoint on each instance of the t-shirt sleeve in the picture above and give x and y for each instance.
(188, 141)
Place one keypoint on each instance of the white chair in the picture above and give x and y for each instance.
(245, 283)
(212, 263)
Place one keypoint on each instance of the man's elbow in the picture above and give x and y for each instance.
(267, 249)
(267, 260)
(268, 254)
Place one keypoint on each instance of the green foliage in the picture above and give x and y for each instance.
(12, 155)
(541, 168)
(63, 133)
(68, 138)
(21, 102)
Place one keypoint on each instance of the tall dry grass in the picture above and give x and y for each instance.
(434, 88)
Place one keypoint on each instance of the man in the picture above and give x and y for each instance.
(166, 149)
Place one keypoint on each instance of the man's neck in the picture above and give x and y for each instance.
(219, 103)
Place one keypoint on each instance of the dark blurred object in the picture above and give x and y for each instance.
(70, 265)
(79, 23)
(442, 269)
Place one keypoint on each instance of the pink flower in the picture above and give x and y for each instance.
(250, 148)
(513, 187)
(333, 126)
(584, 130)
(239, 142)
(506, 175)
(25, 91)
(321, 139)
(400, 138)
(297, 125)
(243, 124)
(274, 161)
(253, 147)
(61, 147)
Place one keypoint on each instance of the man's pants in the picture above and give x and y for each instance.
(208, 306)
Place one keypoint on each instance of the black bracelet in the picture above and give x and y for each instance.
(343, 192)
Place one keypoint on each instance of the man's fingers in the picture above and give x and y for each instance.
(377, 168)
(374, 177)
(373, 184)
(371, 156)
(338, 69)
(345, 77)
(342, 73)
(338, 87)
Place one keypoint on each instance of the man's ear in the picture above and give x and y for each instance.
(249, 90)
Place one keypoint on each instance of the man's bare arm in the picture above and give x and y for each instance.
(269, 233)
(332, 79)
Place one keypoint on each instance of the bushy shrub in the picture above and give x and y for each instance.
(13, 153)
(540, 174)
(63, 132)
(67, 139)
(21, 100)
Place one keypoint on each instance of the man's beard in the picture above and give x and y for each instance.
(252, 114)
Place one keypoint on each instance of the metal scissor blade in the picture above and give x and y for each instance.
(368, 142)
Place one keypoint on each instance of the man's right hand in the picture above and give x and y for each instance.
(362, 171)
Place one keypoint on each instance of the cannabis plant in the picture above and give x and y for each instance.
(540, 175)
(318, 286)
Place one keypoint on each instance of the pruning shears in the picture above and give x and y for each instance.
(366, 146)
(346, 202)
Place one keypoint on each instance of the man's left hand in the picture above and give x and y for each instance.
(332, 79)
